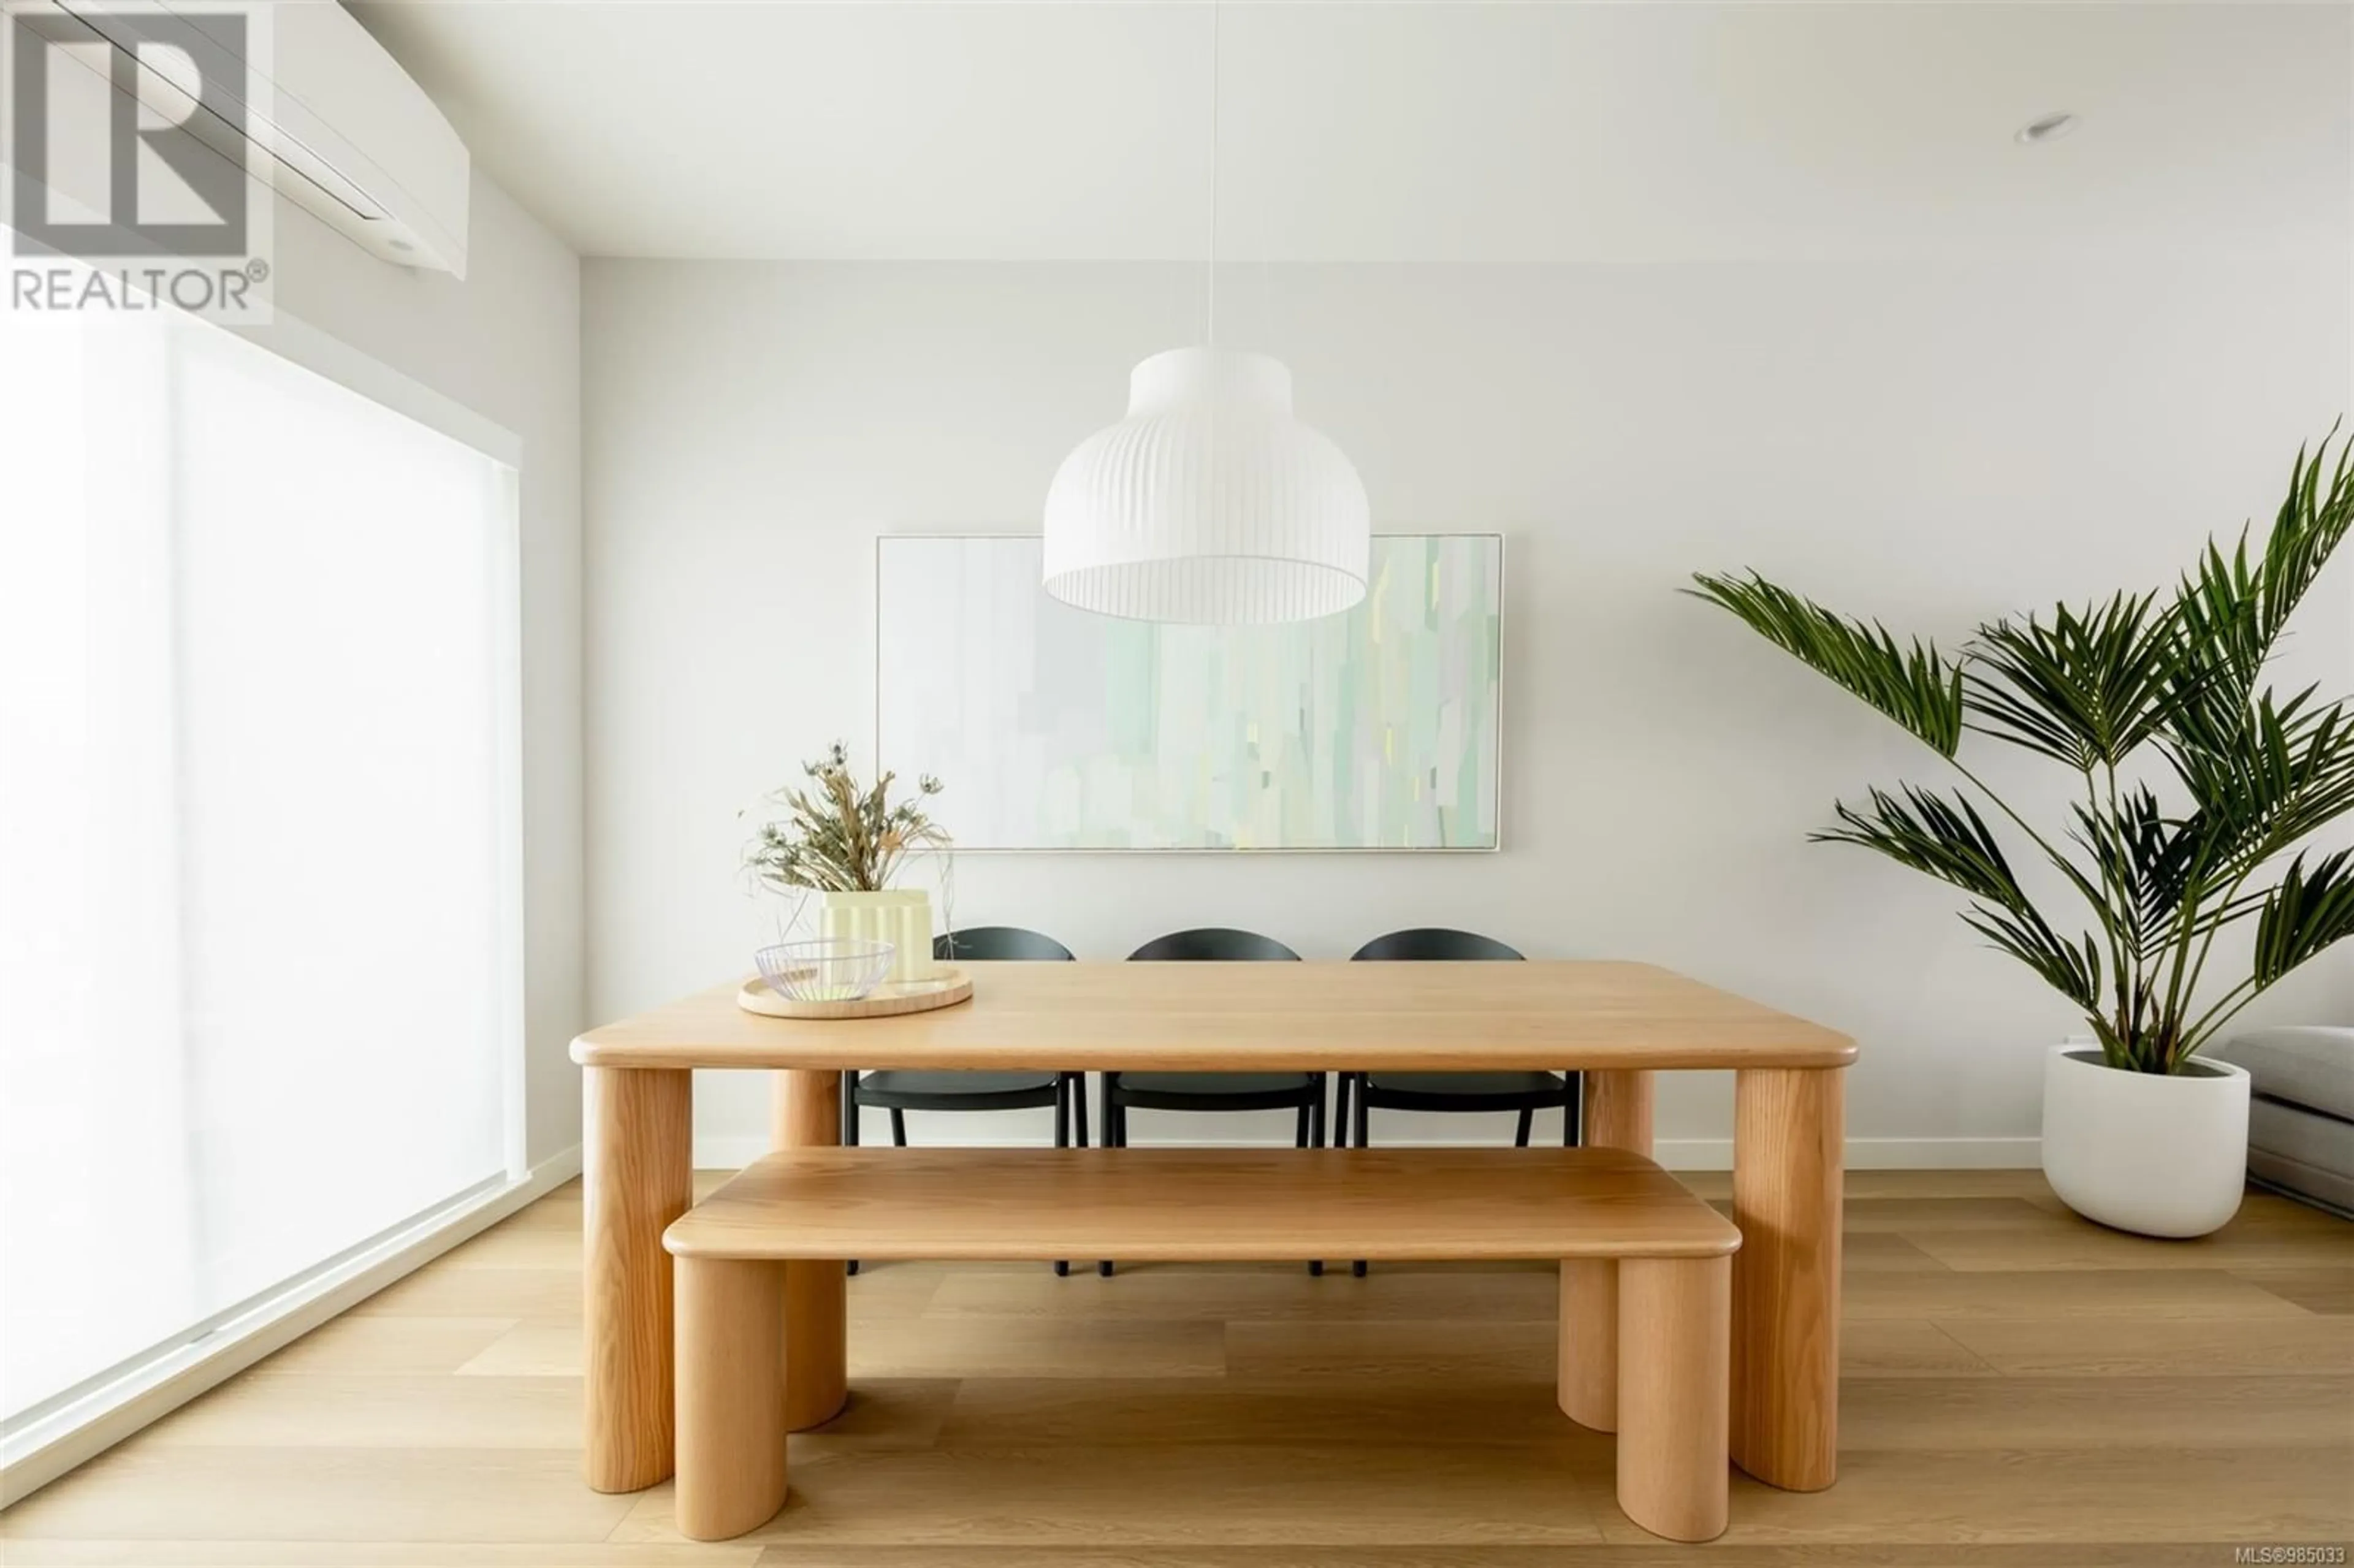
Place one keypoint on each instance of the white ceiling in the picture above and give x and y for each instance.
(1449, 131)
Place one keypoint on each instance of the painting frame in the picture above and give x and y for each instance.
(1503, 557)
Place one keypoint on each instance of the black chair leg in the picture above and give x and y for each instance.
(1528, 1124)
(1062, 1140)
(1364, 1140)
(899, 1128)
(1309, 1131)
(1574, 1118)
(1300, 1126)
(1115, 1132)
(852, 1266)
(1340, 1111)
(1080, 1109)
(1569, 1120)
(1311, 1136)
(850, 1111)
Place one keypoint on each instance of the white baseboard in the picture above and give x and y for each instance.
(725, 1152)
(41, 1453)
(1875, 1153)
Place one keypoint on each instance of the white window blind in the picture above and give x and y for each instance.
(260, 963)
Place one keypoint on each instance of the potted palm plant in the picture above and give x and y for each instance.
(2196, 793)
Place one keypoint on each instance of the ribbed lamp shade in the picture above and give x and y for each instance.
(1209, 504)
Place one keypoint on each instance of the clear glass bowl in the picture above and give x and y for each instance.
(830, 969)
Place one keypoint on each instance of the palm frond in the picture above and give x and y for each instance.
(2260, 781)
(1950, 841)
(2306, 913)
(2074, 972)
(2145, 858)
(1922, 830)
(2231, 609)
(2086, 688)
(1916, 687)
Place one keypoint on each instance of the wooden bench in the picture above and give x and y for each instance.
(1636, 1249)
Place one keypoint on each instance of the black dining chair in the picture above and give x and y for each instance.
(900, 1092)
(1302, 1093)
(1525, 1093)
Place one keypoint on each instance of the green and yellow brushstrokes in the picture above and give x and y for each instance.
(1058, 729)
(1372, 729)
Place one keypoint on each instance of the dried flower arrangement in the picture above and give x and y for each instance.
(838, 838)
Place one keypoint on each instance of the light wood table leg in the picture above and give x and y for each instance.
(1789, 1138)
(637, 1177)
(1618, 1111)
(817, 1305)
(1617, 1116)
(731, 1396)
(1673, 1394)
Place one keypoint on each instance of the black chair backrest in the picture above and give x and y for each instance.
(1435, 942)
(1214, 943)
(987, 944)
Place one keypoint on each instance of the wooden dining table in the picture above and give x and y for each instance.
(1618, 1024)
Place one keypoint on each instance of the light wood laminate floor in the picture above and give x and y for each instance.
(2021, 1388)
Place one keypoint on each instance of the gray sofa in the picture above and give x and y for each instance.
(2301, 1111)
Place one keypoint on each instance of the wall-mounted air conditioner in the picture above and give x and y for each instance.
(347, 135)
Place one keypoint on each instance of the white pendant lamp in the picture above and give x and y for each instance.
(1210, 504)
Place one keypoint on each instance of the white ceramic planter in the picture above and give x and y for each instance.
(900, 917)
(2162, 1155)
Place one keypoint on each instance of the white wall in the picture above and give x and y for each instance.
(1933, 444)
(505, 342)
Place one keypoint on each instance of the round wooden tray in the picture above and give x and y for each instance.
(945, 988)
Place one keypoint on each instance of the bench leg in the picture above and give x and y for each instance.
(816, 1309)
(1616, 1114)
(1589, 1373)
(731, 1396)
(1675, 1385)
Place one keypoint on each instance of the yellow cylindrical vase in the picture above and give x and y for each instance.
(896, 916)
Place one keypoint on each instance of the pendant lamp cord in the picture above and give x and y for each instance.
(1210, 331)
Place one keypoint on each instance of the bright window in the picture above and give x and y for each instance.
(260, 970)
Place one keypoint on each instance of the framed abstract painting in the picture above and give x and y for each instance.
(1056, 729)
